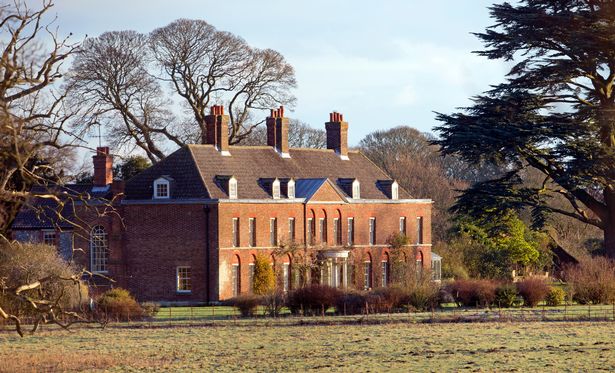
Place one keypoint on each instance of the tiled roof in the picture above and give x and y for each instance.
(194, 169)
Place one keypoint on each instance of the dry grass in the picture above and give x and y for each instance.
(532, 346)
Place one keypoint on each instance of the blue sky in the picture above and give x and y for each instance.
(381, 64)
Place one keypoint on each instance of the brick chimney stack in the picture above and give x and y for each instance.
(337, 134)
(216, 131)
(103, 167)
(277, 131)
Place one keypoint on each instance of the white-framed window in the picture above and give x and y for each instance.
(99, 249)
(236, 242)
(49, 237)
(402, 225)
(273, 231)
(385, 273)
(232, 188)
(162, 188)
(372, 231)
(367, 275)
(236, 279)
(275, 189)
(251, 277)
(184, 279)
(286, 276)
(290, 189)
(291, 229)
(323, 229)
(419, 230)
(252, 231)
(337, 231)
(356, 189)
(350, 231)
(395, 190)
(310, 231)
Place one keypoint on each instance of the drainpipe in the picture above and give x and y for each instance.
(207, 252)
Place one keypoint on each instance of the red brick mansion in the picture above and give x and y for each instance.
(188, 228)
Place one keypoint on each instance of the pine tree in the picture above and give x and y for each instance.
(555, 113)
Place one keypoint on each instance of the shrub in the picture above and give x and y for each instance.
(473, 292)
(246, 304)
(424, 296)
(274, 301)
(263, 280)
(118, 304)
(312, 299)
(506, 295)
(382, 300)
(150, 309)
(533, 291)
(23, 263)
(555, 297)
(351, 303)
(592, 281)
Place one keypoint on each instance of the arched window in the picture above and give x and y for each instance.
(99, 249)
(232, 188)
(395, 190)
(236, 276)
(251, 274)
(286, 268)
(367, 272)
(162, 188)
(385, 269)
(356, 189)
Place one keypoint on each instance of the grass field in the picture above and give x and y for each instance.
(283, 346)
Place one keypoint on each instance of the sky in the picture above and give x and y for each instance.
(381, 64)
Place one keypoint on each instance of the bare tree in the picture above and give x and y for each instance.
(35, 141)
(300, 135)
(117, 78)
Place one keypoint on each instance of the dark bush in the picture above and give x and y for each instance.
(274, 301)
(117, 304)
(471, 293)
(312, 299)
(351, 303)
(533, 290)
(246, 304)
(383, 300)
(592, 281)
(506, 295)
(555, 297)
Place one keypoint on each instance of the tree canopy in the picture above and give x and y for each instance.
(554, 113)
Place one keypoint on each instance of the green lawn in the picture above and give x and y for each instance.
(270, 345)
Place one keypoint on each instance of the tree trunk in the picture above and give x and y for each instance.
(609, 224)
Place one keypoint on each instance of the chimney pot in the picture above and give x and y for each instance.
(216, 129)
(337, 134)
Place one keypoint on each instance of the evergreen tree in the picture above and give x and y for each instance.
(554, 113)
(263, 280)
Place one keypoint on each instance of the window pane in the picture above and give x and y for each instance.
(350, 231)
(419, 230)
(99, 249)
(184, 279)
(252, 231)
(372, 231)
(273, 231)
(235, 232)
(291, 229)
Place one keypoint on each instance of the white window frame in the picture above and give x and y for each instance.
(275, 189)
(372, 231)
(286, 277)
(273, 232)
(356, 189)
(252, 231)
(46, 234)
(236, 279)
(179, 286)
(322, 226)
(367, 274)
(236, 232)
(395, 190)
(419, 230)
(160, 182)
(310, 231)
(232, 188)
(337, 232)
(290, 189)
(291, 229)
(350, 238)
(384, 267)
(250, 277)
(99, 241)
(402, 225)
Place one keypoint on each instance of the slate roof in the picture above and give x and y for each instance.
(46, 215)
(194, 169)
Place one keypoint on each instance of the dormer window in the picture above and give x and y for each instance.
(275, 189)
(395, 190)
(290, 189)
(162, 188)
(232, 188)
(356, 189)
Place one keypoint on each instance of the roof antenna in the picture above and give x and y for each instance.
(99, 136)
